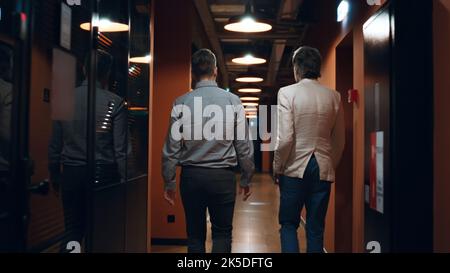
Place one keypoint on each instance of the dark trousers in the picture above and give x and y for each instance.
(215, 190)
(74, 198)
(312, 193)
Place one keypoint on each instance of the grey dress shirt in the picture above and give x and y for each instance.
(208, 151)
(68, 140)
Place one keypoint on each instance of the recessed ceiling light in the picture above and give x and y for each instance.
(250, 104)
(249, 79)
(247, 24)
(248, 60)
(105, 25)
(141, 60)
(249, 99)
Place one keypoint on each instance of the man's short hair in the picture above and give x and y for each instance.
(104, 67)
(204, 63)
(308, 62)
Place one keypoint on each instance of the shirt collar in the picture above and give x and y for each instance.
(309, 80)
(206, 84)
(97, 84)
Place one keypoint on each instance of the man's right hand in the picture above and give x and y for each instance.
(55, 181)
(170, 196)
(245, 192)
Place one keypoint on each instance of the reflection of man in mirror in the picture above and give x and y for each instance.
(68, 148)
(5, 106)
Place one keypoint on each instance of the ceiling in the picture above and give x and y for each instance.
(290, 20)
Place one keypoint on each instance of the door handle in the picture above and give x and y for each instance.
(41, 188)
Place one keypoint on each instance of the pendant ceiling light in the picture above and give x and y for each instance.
(250, 90)
(141, 60)
(249, 79)
(250, 22)
(105, 25)
(249, 60)
(249, 99)
(250, 104)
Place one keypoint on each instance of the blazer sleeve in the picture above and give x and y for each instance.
(338, 136)
(285, 133)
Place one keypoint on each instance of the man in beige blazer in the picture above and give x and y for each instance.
(310, 142)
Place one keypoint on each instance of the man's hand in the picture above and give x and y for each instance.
(170, 196)
(245, 192)
(55, 181)
(276, 179)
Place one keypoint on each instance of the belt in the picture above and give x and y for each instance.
(190, 167)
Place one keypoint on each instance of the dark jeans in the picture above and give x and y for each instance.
(74, 198)
(312, 193)
(215, 190)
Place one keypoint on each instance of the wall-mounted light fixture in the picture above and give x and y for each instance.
(343, 10)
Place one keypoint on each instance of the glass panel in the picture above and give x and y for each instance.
(58, 112)
(138, 93)
(120, 192)
(111, 147)
(6, 104)
(138, 119)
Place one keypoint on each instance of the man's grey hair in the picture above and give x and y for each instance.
(308, 62)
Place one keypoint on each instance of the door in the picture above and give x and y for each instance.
(60, 79)
(344, 172)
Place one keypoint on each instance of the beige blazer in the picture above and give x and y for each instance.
(310, 121)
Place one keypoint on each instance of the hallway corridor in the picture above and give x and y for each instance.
(255, 222)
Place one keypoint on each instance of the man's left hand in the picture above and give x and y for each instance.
(276, 179)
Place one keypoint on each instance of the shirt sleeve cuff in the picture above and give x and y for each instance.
(54, 168)
(244, 182)
(170, 186)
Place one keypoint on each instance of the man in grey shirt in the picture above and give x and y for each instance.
(207, 157)
(67, 150)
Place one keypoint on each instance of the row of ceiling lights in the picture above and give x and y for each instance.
(249, 23)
